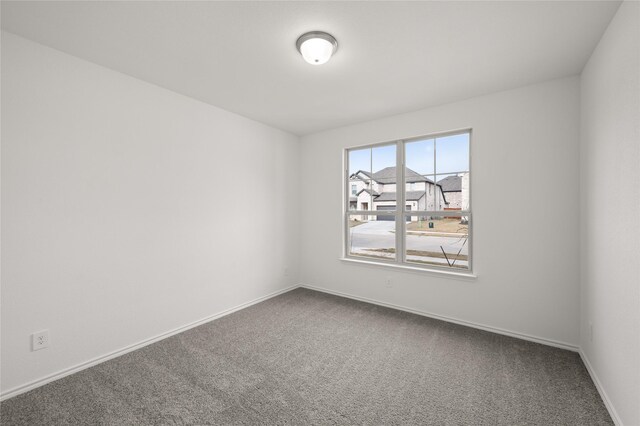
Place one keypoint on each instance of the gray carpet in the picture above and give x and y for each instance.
(310, 358)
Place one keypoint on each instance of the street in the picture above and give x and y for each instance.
(381, 235)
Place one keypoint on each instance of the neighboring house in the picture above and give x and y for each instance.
(377, 191)
(456, 191)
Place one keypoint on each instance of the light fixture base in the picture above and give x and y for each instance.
(317, 34)
(332, 45)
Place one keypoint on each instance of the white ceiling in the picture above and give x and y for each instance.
(393, 57)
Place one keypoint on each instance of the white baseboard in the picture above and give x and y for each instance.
(548, 342)
(497, 330)
(84, 365)
(601, 391)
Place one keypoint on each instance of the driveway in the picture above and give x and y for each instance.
(376, 227)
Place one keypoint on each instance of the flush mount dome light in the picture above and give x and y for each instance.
(316, 47)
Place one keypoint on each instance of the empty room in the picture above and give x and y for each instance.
(320, 213)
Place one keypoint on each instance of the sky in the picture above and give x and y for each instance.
(452, 155)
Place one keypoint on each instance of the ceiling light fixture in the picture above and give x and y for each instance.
(316, 47)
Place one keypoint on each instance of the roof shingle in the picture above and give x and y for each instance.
(388, 175)
(391, 196)
(451, 184)
(368, 191)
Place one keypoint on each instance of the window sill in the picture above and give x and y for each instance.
(407, 268)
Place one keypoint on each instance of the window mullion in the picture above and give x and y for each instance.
(371, 183)
(435, 179)
(400, 204)
(347, 183)
(347, 198)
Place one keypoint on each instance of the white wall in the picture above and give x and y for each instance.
(117, 224)
(610, 225)
(525, 143)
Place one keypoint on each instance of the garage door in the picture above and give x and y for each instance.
(408, 219)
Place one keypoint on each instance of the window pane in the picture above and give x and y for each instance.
(363, 199)
(430, 193)
(359, 159)
(419, 157)
(384, 157)
(372, 236)
(438, 240)
(455, 188)
(360, 181)
(452, 153)
(424, 194)
(419, 166)
(383, 185)
(416, 195)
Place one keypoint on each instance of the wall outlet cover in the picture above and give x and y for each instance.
(40, 340)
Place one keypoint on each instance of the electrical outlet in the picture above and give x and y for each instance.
(40, 340)
(389, 282)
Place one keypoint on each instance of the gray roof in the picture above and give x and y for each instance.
(388, 175)
(368, 191)
(451, 184)
(391, 196)
(366, 178)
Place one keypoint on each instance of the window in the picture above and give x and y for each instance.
(354, 189)
(432, 231)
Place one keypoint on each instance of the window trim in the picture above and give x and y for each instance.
(463, 276)
(400, 258)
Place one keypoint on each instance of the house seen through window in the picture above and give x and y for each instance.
(424, 222)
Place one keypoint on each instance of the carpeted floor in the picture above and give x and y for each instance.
(310, 358)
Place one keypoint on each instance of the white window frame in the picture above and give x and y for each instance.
(400, 232)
